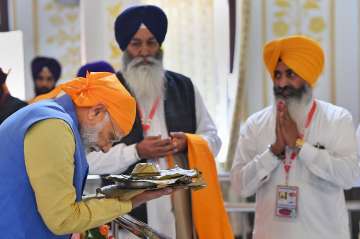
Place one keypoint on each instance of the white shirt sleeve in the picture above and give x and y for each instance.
(116, 161)
(205, 125)
(358, 139)
(251, 170)
(121, 156)
(338, 164)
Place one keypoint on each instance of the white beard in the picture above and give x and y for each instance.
(146, 81)
(299, 108)
(90, 135)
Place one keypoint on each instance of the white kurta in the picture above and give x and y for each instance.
(121, 156)
(357, 183)
(320, 174)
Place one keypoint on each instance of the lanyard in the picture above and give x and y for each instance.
(146, 122)
(293, 155)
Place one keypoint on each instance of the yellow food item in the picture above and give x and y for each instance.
(145, 169)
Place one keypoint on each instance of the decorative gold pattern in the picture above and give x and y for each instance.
(57, 29)
(317, 24)
(282, 3)
(314, 18)
(311, 4)
(281, 24)
(280, 28)
(113, 10)
(115, 51)
(289, 17)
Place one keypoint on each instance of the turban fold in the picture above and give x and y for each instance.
(38, 63)
(97, 66)
(130, 20)
(100, 88)
(302, 54)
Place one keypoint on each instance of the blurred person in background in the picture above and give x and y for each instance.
(8, 103)
(46, 71)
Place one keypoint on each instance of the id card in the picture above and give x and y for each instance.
(286, 201)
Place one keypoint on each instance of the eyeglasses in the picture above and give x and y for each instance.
(116, 139)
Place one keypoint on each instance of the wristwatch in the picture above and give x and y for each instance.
(299, 143)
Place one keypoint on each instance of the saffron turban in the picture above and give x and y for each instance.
(97, 66)
(302, 54)
(38, 63)
(130, 20)
(100, 88)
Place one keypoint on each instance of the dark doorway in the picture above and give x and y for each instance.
(4, 17)
(232, 27)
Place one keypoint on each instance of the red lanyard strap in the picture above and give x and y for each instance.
(287, 165)
(146, 123)
(310, 115)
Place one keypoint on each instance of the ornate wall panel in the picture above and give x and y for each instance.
(57, 34)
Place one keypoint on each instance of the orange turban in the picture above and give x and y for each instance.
(302, 54)
(100, 88)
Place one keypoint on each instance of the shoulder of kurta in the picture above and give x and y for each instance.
(333, 113)
(259, 119)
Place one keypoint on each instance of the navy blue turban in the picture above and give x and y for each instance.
(38, 63)
(129, 22)
(97, 66)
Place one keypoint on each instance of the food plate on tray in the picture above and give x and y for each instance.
(146, 176)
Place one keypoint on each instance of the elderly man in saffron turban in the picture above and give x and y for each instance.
(299, 154)
(172, 119)
(43, 166)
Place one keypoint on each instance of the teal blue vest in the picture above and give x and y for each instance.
(19, 217)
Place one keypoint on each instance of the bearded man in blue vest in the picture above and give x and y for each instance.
(43, 166)
(168, 106)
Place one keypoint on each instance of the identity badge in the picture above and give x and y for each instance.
(286, 201)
